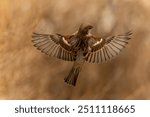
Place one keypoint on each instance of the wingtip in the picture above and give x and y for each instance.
(34, 34)
(130, 32)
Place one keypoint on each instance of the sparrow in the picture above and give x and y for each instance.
(80, 47)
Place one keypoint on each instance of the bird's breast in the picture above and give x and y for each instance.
(78, 44)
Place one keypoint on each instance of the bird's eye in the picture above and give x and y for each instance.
(90, 27)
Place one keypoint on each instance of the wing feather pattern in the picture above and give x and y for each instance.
(53, 45)
(106, 49)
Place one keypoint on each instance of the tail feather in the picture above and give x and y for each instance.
(73, 75)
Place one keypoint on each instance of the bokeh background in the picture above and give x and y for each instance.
(26, 73)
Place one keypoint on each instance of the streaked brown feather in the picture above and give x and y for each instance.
(53, 45)
(106, 49)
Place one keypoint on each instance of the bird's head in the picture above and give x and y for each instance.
(84, 29)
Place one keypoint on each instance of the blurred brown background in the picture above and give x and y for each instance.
(26, 73)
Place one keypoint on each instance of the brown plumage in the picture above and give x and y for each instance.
(80, 47)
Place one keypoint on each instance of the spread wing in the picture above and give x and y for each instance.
(53, 45)
(105, 49)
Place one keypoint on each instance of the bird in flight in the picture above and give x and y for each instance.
(80, 47)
